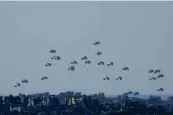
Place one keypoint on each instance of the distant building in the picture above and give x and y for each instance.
(30, 102)
(71, 101)
(1, 99)
(78, 94)
(70, 93)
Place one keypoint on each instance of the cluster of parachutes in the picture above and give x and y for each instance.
(44, 77)
(119, 78)
(157, 75)
(131, 93)
(106, 78)
(22, 81)
(99, 63)
(102, 63)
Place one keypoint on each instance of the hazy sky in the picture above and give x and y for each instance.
(134, 34)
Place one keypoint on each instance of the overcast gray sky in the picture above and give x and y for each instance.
(134, 34)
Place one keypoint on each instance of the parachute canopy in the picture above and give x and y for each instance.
(160, 76)
(96, 43)
(72, 68)
(56, 57)
(157, 71)
(73, 62)
(48, 64)
(44, 77)
(52, 51)
(18, 84)
(110, 64)
(100, 63)
(125, 68)
(152, 78)
(119, 78)
(160, 89)
(99, 53)
(88, 62)
(24, 81)
(84, 58)
(106, 78)
(151, 71)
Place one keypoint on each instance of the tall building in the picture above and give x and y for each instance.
(71, 101)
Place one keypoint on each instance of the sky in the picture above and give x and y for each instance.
(134, 34)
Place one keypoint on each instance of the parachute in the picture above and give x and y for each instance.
(157, 71)
(104, 78)
(160, 89)
(73, 62)
(48, 64)
(160, 76)
(110, 64)
(107, 78)
(152, 78)
(72, 68)
(24, 81)
(84, 58)
(96, 43)
(18, 84)
(44, 77)
(99, 53)
(119, 78)
(125, 68)
(100, 63)
(52, 51)
(56, 58)
(88, 62)
(151, 71)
